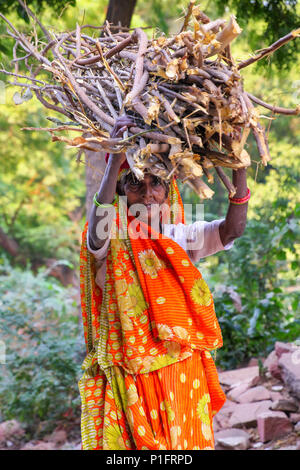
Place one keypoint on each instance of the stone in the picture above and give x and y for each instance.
(39, 445)
(258, 393)
(257, 445)
(233, 378)
(297, 427)
(290, 371)
(275, 395)
(271, 363)
(288, 448)
(221, 419)
(253, 362)
(10, 429)
(285, 404)
(245, 414)
(295, 417)
(232, 439)
(282, 348)
(273, 425)
(235, 392)
(58, 437)
(277, 388)
(216, 425)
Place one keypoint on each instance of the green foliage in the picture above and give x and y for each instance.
(7, 6)
(39, 327)
(262, 269)
(265, 22)
(40, 186)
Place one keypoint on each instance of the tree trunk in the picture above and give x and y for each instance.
(118, 12)
(8, 244)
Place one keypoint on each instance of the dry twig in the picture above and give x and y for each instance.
(184, 94)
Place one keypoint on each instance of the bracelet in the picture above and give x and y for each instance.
(242, 200)
(99, 204)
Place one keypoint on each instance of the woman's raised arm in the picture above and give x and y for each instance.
(107, 188)
(235, 222)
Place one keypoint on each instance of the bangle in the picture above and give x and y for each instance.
(242, 200)
(99, 204)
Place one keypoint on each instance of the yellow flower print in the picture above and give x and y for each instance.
(200, 293)
(135, 364)
(132, 396)
(116, 245)
(173, 348)
(126, 322)
(174, 436)
(182, 333)
(123, 303)
(119, 390)
(202, 409)
(120, 286)
(161, 361)
(150, 263)
(164, 331)
(138, 304)
(112, 438)
(134, 276)
(170, 412)
(147, 362)
(206, 431)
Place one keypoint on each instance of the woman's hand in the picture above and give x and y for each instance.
(120, 126)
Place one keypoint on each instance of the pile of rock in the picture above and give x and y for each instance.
(12, 437)
(262, 410)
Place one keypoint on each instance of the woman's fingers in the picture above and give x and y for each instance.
(121, 124)
(123, 129)
(124, 121)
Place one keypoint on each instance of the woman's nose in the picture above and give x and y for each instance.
(146, 191)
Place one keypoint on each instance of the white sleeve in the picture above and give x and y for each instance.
(102, 252)
(105, 230)
(206, 240)
(199, 240)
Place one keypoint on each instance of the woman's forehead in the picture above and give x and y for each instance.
(147, 175)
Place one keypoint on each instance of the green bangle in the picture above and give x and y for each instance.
(101, 205)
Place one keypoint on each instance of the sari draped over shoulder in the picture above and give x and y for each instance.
(149, 336)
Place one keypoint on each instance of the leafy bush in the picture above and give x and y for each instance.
(262, 270)
(44, 347)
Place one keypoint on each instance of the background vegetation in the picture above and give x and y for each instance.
(42, 203)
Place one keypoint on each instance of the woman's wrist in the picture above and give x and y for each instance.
(239, 180)
(107, 190)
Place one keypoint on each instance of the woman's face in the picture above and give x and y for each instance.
(150, 193)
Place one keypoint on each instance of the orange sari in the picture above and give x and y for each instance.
(149, 379)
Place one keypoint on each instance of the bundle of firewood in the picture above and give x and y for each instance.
(184, 94)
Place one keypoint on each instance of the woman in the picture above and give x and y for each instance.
(150, 381)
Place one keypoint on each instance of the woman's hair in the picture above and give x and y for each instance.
(129, 177)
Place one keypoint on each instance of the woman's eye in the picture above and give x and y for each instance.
(134, 183)
(156, 181)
